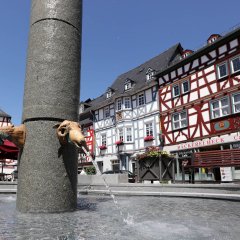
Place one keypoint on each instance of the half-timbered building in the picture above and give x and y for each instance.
(7, 150)
(86, 121)
(199, 102)
(126, 116)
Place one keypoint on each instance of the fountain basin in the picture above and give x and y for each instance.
(153, 218)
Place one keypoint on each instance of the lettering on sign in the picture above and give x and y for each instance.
(202, 143)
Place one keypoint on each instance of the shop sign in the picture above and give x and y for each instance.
(219, 126)
(226, 174)
(201, 143)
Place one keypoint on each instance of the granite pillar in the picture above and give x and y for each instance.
(47, 170)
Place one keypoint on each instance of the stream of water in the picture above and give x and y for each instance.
(127, 218)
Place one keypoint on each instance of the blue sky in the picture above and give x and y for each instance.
(118, 35)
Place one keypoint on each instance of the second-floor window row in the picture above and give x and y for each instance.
(218, 108)
(232, 66)
(180, 88)
(224, 106)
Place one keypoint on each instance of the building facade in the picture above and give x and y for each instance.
(7, 166)
(199, 101)
(126, 116)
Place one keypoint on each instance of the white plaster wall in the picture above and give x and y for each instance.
(209, 69)
(233, 43)
(193, 96)
(204, 92)
(148, 95)
(222, 49)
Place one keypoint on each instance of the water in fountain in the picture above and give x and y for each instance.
(97, 218)
(129, 218)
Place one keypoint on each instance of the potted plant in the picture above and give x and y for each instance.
(119, 142)
(103, 147)
(148, 138)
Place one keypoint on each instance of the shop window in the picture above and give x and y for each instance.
(222, 70)
(220, 108)
(236, 103)
(179, 120)
(235, 64)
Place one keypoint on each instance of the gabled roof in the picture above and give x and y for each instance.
(206, 48)
(138, 76)
(3, 114)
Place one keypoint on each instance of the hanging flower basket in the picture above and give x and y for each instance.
(103, 147)
(119, 142)
(148, 138)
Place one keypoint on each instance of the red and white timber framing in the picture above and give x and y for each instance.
(201, 72)
(90, 139)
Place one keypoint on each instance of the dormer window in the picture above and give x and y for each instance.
(109, 93)
(150, 73)
(128, 84)
(213, 38)
(186, 53)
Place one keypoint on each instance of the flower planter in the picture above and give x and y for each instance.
(103, 147)
(148, 138)
(118, 143)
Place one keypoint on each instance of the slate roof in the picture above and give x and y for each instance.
(3, 114)
(206, 48)
(138, 76)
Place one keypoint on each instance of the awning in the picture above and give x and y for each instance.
(8, 150)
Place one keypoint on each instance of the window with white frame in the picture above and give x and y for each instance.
(236, 103)
(235, 64)
(104, 140)
(119, 104)
(179, 120)
(185, 87)
(107, 112)
(149, 129)
(141, 100)
(220, 108)
(129, 137)
(222, 70)
(120, 134)
(127, 102)
(176, 90)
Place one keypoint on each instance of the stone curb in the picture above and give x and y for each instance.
(232, 197)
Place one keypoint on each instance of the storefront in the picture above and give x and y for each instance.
(216, 170)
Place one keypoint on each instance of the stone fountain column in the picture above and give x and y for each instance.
(47, 171)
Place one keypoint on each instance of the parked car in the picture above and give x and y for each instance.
(131, 176)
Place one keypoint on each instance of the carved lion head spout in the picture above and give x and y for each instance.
(14, 134)
(69, 131)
